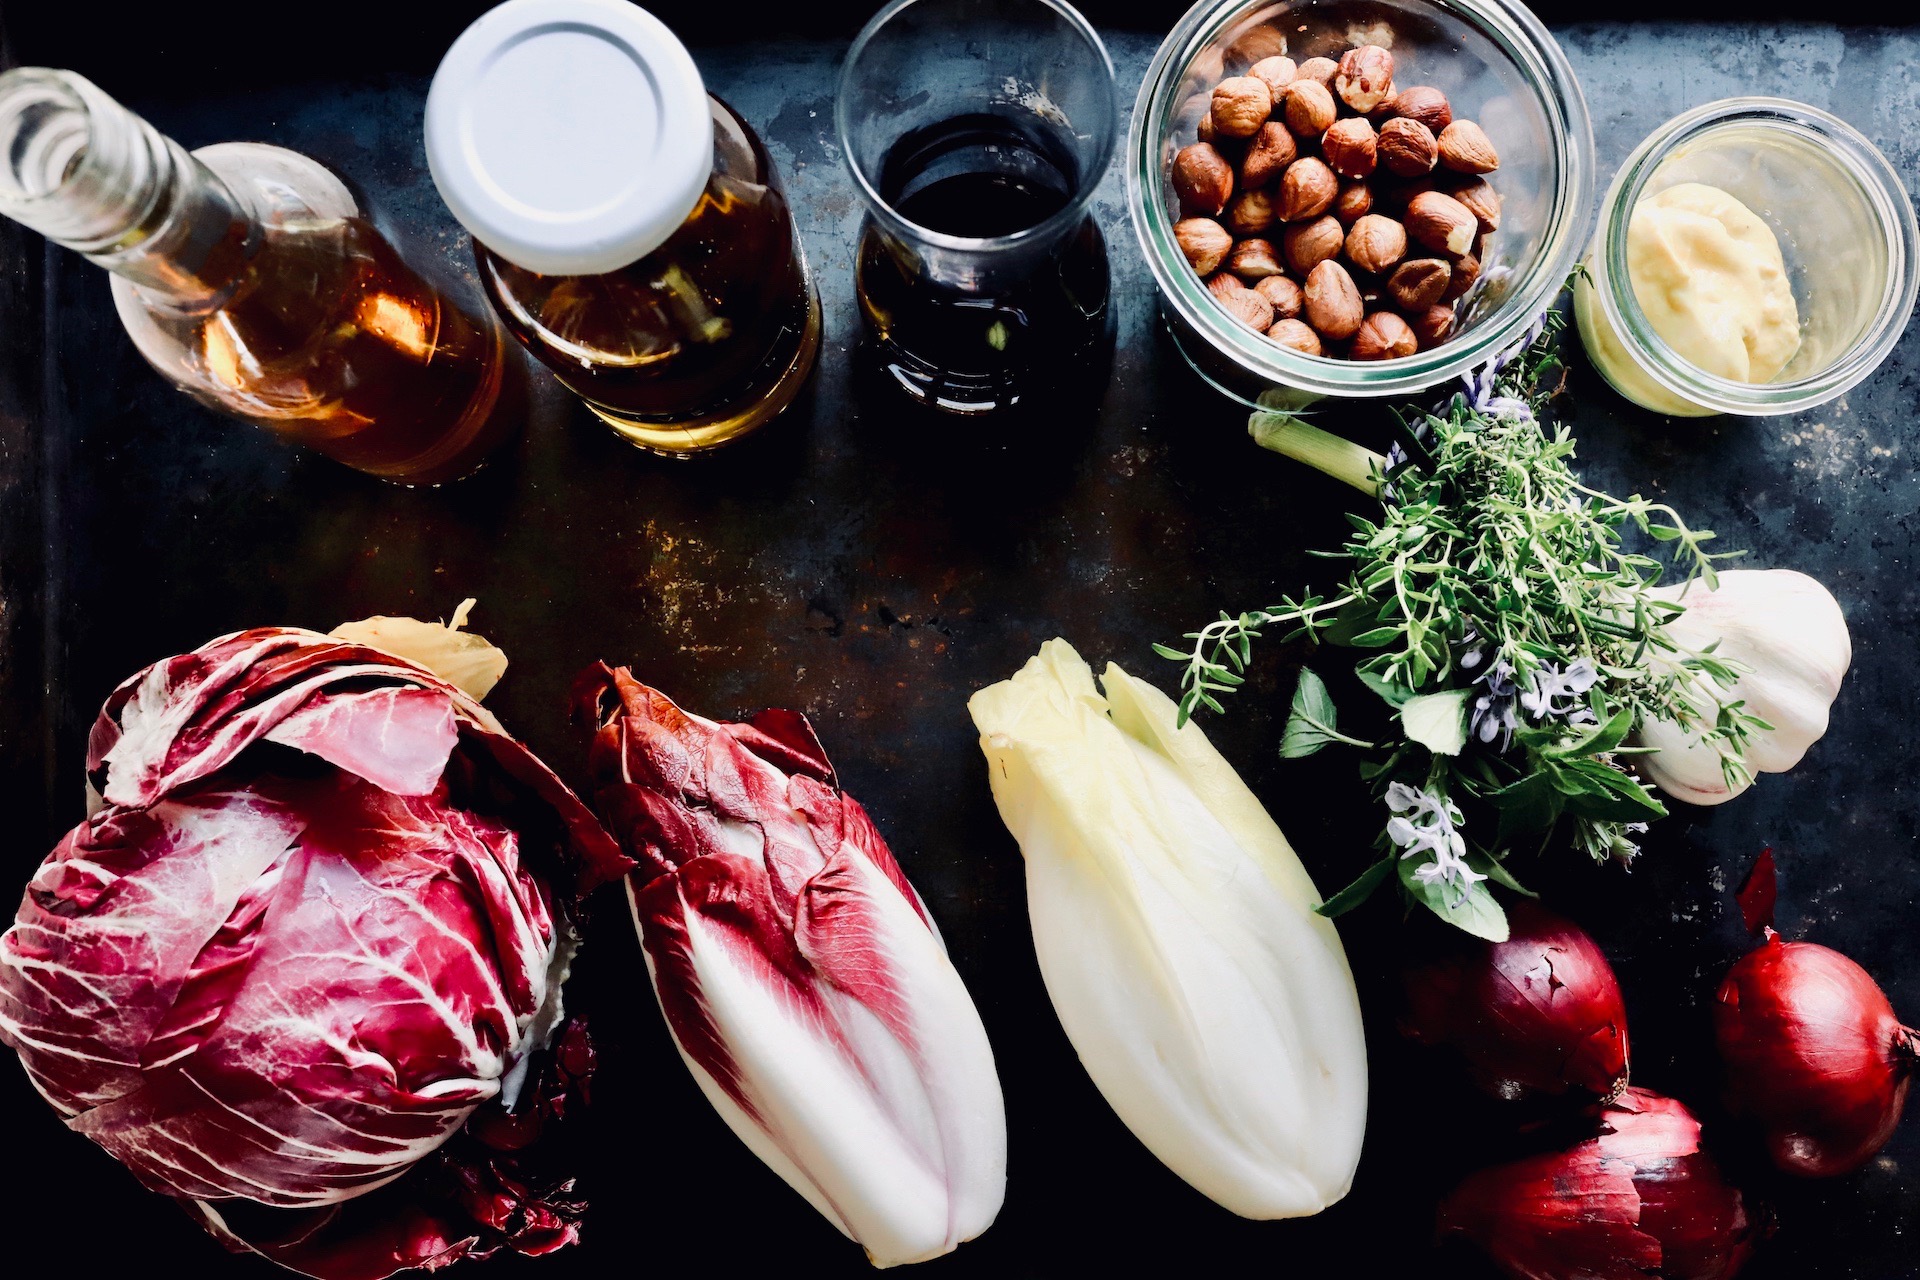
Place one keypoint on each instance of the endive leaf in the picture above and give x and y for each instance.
(1176, 933)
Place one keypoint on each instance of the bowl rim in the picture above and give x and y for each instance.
(1527, 42)
(1875, 178)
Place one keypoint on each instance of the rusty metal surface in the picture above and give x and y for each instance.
(872, 569)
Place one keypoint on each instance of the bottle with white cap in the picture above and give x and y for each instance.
(629, 227)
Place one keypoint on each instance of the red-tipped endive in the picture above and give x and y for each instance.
(1177, 936)
(800, 974)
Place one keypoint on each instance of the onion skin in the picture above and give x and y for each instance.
(1636, 1199)
(1814, 1055)
(1537, 1015)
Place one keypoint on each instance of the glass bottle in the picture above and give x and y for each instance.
(976, 132)
(248, 275)
(629, 228)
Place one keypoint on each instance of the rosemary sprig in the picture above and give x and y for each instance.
(1515, 638)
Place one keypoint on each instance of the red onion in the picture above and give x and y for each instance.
(1814, 1054)
(1638, 1198)
(1540, 1013)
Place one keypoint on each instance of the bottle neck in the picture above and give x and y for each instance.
(87, 173)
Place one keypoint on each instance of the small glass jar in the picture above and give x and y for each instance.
(1845, 229)
(629, 228)
(977, 132)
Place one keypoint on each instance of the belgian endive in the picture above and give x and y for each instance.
(800, 974)
(1177, 937)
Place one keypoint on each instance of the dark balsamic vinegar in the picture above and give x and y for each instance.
(1039, 329)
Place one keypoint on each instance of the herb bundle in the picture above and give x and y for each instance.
(1513, 637)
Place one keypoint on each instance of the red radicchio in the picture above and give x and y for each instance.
(320, 914)
(1636, 1198)
(1537, 1014)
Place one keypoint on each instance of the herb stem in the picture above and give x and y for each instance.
(1340, 458)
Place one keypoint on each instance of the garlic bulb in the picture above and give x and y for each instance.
(1788, 632)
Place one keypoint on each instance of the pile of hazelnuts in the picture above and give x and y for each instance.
(1335, 213)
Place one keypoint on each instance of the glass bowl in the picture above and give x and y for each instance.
(1497, 65)
(1846, 231)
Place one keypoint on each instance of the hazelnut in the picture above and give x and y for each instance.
(1204, 241)
(1202, 179)
(1283, 294)
(1275, 73)
(1466, 270)
(1432, 326)
(1240, 302)
(1376, 243)
(1251, 214)
(1308, 108)
(1417, 283)
(1296, 334)
(1307, 190)
(1253, 260)
(1441, 223)
(1204, 130)
(1330, 301)
(1240, 106)
(1407, 148)
(1256, 45)
(1271, 151)
(1354, 201)
(1424, 104)
(1381, 114)
(1465, 148)
(1482, 201)
(1364, 77)
(1395, 196)
(1383, 336)
(1348, 146)
(1308, 244)
(1322, 70)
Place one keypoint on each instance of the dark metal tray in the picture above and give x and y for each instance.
(872, 572)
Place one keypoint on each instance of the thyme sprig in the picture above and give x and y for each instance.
(1514, 637)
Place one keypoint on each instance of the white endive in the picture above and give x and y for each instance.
(1176, 933)
(1788, 632)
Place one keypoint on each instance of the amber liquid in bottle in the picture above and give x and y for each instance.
(331, 341)
(249, 276)
(703, 340)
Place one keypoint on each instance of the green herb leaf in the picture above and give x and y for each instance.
(1438, 721)
(1604, 793)
(1602, 739)
(1311, 722)
(1532, 804)
(1360, 890)
(1393, 693)
(1496, 870)
(1475, 909)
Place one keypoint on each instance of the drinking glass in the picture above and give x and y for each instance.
(976, 132)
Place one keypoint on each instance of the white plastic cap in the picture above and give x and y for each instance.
(571, 137)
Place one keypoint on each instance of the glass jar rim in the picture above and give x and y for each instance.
(1056, 225)
(1876, 180)
(1525, 40)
